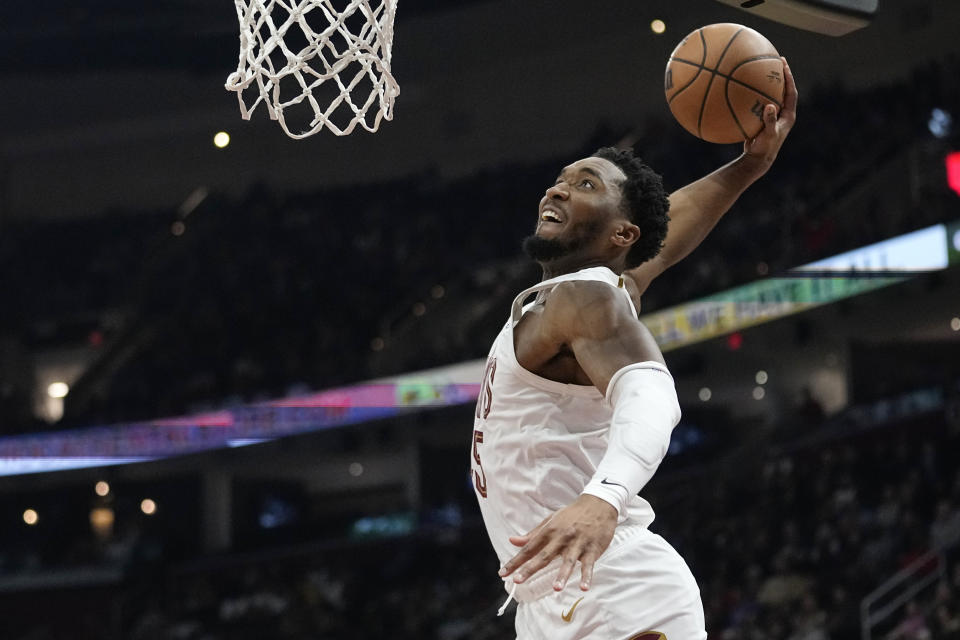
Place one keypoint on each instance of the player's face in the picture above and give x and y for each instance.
(578, 212)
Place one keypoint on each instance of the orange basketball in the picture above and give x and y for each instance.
(720, 78)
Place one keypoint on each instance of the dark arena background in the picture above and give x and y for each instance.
(237, 382)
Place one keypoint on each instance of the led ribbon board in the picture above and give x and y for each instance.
(239, 426)
(824, 281)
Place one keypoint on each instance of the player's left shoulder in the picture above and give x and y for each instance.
(585, 296)
(587, 306)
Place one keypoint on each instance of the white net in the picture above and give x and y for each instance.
(317, 63)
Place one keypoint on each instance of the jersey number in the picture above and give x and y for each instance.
(479, 478)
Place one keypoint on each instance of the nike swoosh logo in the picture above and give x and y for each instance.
(568, 616)
(605, 481)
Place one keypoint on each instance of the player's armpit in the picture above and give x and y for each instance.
(596, 322)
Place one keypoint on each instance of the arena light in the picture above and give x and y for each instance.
(148, 506)
(221, 139)
(58, 390)
(761, 377)
(758, 393)
(953, 177)
(101, 521)
(705, 394)
(30, 517)
(734, 341)
(940, 122)
(955, 324)
(658, 26)
(102, 488)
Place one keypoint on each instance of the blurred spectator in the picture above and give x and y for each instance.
(945, 529)
(913, 626)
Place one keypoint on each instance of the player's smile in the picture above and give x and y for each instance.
(552, 219)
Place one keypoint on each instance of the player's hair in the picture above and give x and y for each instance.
(645, 201)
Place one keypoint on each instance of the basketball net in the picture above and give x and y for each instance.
(349, 49)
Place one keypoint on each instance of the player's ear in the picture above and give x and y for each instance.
(625, 234)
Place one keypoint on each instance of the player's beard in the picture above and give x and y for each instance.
(547, 249)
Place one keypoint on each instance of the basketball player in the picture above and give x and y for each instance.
(577, 404)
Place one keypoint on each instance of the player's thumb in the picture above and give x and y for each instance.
(519, 541)
(770, 114)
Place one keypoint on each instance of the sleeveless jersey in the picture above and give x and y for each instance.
(537, 442)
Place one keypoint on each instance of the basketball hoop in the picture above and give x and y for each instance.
(296, 53)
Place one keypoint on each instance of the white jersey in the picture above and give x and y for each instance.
(536, 443)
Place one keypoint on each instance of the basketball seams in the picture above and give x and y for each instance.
(727, 77)
(713, 75)
(700, 67)
(726, 96)
(730, 77)
(764, 56)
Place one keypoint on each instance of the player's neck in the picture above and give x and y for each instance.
(555, 268)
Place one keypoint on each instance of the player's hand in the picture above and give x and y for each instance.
(764, 147)
(577, 533)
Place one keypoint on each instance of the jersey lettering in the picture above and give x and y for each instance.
(486, 390)
(479, 478)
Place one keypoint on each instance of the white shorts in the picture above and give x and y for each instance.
(643, 590)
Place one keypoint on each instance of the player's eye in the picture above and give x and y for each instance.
(586, 182)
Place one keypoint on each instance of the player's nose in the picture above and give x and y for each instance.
(558, 191)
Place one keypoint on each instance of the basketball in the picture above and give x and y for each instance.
(720, 78)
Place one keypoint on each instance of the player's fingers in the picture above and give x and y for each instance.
(526, 552)
(790, 94)
(570, 557)
(770, 115)
(538, 561)
(519, 541)
(587, 560)
(529, 543)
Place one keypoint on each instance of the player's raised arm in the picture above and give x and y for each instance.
(622, 359)
(696, 208)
